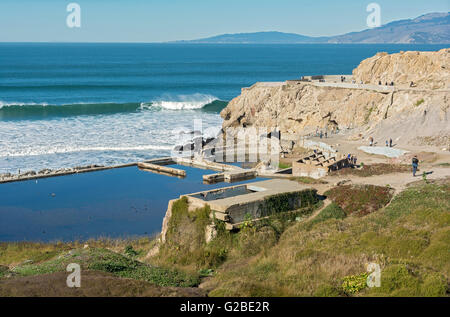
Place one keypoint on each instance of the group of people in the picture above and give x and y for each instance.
(324, 134)
(389, 143)
(352, 159)
(387, 84)
(321, 134)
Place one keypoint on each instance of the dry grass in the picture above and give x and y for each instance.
(410, 240)
(307, 180)
(93, 283)
(14, 253)
(371, 170)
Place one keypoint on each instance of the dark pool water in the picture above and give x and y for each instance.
(116, 203)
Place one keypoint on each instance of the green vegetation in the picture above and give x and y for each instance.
(285, 202)
(354, 283)
(110, 262)
(186, 246)
(307, 180)
(13, 253)
(332, 211)
(409, 239)
(374, 169)
(419, 102)
(286, 254)
(3, 270)
(360, 199)
(282, 165)
(368, 113)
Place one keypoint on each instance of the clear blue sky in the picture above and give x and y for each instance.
(166, 20)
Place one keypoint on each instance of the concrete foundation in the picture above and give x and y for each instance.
(318, 165)
(236, 204)
(162, 169)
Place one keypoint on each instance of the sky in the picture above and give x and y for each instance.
(169, 20)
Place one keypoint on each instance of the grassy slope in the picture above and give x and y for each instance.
(104, 272)
(410, 240)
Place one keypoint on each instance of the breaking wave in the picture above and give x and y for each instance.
(16, 111)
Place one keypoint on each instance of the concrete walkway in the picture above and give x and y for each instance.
(398, 181)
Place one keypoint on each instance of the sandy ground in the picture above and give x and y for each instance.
(430, 158)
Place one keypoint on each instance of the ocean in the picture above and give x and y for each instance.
(66, 105)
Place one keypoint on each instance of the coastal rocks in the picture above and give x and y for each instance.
(403, 114)
(342, 182)
(199, 141)
(46, 172)
(30, 173)
(80, 168)
(424, 69)
(5, 175)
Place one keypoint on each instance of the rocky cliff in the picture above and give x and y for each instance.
(425, 69)
(400, 112)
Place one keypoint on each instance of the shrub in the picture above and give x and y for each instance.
(354, 283)
(419, 102)
(332, 211)
(129, 251)
(360, 199)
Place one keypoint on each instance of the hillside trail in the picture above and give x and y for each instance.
(397, 181)
(346, 146)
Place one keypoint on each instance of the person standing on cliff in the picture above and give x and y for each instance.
(390, 142)
(415, 164)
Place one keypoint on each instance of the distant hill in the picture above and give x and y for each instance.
(260, 38)
(432, 28)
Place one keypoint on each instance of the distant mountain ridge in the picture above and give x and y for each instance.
(432, 28)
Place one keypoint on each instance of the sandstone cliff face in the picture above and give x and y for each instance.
(426, 69)
(403, 114)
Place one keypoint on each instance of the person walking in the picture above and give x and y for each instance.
(415, 164)
(390, 142)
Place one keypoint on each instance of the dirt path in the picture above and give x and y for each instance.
(398, 181)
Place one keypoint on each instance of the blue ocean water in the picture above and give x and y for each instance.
(63, 105)
(117, 203)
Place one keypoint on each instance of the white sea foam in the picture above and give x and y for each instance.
(9, 104)
(182, 102)
(101, 139)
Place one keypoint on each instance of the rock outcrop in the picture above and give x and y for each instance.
(402, 113)
(428, 70)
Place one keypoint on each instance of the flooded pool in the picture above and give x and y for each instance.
(115, 203)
